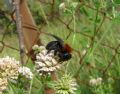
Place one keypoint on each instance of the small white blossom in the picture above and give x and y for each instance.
(58, 66)
(25, 71)
(35, 47)
(95, 82)
(84, 52)
(62, 6)
(48, 63)
(40, 64)
(99, 80)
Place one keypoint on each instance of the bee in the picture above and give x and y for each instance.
(61, 49)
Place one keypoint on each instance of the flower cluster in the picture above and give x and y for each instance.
(45, 62)
(26, 72)
(95, 82)
(9, 68)
(65, 85)
(8, 71)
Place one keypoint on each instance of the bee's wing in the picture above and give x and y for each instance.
(51, 45)
(54, 36)
(57, 38)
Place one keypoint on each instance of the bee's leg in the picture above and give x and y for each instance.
(48, 51)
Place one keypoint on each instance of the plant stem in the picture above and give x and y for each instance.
(48, 90)
(19, 31)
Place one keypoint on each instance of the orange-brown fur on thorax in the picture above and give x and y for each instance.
(67, 48)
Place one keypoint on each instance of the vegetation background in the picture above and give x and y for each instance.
(91, 27)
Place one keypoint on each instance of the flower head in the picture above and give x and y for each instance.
(46, 62)
(65, 85)
(9, 68)
(25, 71)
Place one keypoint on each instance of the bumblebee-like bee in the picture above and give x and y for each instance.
(61, 49)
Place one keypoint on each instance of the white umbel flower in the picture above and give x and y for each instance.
(46, 62)
(25, 71)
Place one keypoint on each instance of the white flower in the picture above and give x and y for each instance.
(99, 80)
(9, 68)
(53, 61)
(38, 57)
(40, 64)
(62, 6)
(95, 82)
(44, 51)
(35, 47)
(25, 71)
(46, 62)
(84, 52)
(58, 66)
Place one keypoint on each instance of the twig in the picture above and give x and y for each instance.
(19, 31)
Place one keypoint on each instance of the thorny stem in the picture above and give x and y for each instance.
(19, 31)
